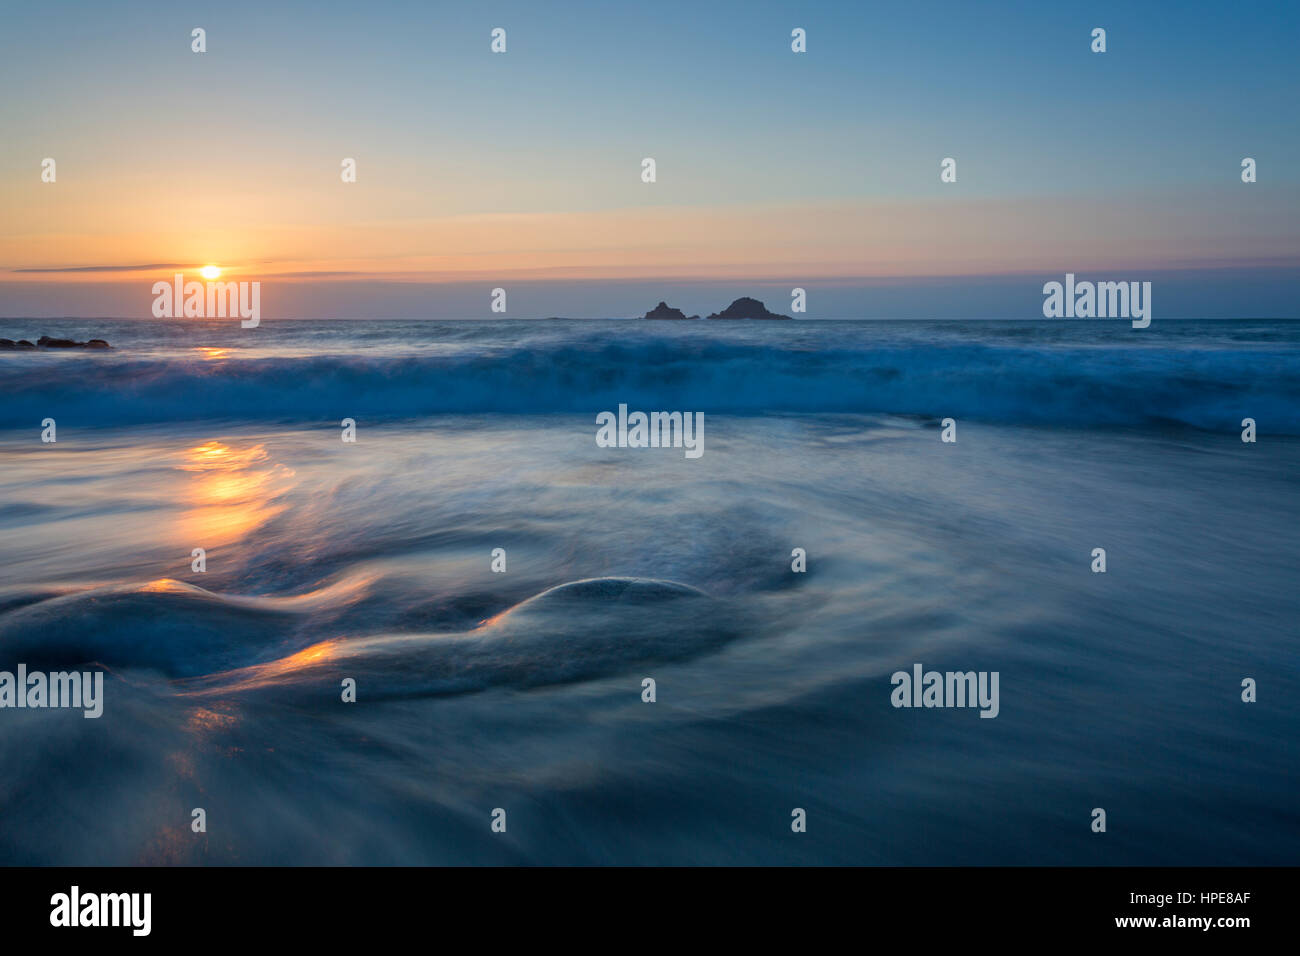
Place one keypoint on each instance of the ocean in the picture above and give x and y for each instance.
(522, 689)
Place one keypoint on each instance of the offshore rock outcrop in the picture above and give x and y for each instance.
(747, 308)
(46, 342)
(662, 311)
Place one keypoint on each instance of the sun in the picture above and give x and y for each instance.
(210, 272)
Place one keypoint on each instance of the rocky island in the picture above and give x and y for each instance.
(45, 342)
(742, 308)
(747, 308)
(662, 311)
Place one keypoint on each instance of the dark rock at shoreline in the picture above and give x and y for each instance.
(662, 311)
(46, 342)
(747, 308)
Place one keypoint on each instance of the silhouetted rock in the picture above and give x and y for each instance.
(746, 308)
(46, 342)
(662, 311)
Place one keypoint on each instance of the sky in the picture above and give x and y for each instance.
(774, 169)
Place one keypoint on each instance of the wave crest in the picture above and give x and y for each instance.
(1131, 385)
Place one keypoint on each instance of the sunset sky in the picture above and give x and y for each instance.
(775, 169)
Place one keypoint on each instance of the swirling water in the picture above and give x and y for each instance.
(523, 690)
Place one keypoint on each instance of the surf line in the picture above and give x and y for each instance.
(84, 689)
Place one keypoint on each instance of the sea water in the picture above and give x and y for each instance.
(523, 690)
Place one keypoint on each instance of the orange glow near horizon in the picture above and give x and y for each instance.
(883, 238)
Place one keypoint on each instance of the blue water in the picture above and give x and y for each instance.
(522, 690)
(1064, 372)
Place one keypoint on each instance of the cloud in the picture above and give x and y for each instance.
(146, 267)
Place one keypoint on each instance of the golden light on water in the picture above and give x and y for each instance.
(272, 672)
(232, 493)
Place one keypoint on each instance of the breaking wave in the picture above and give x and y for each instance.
(1098, 385)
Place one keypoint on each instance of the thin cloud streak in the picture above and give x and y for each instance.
(147, 267)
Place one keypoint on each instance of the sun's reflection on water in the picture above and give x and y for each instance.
(232, 492)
